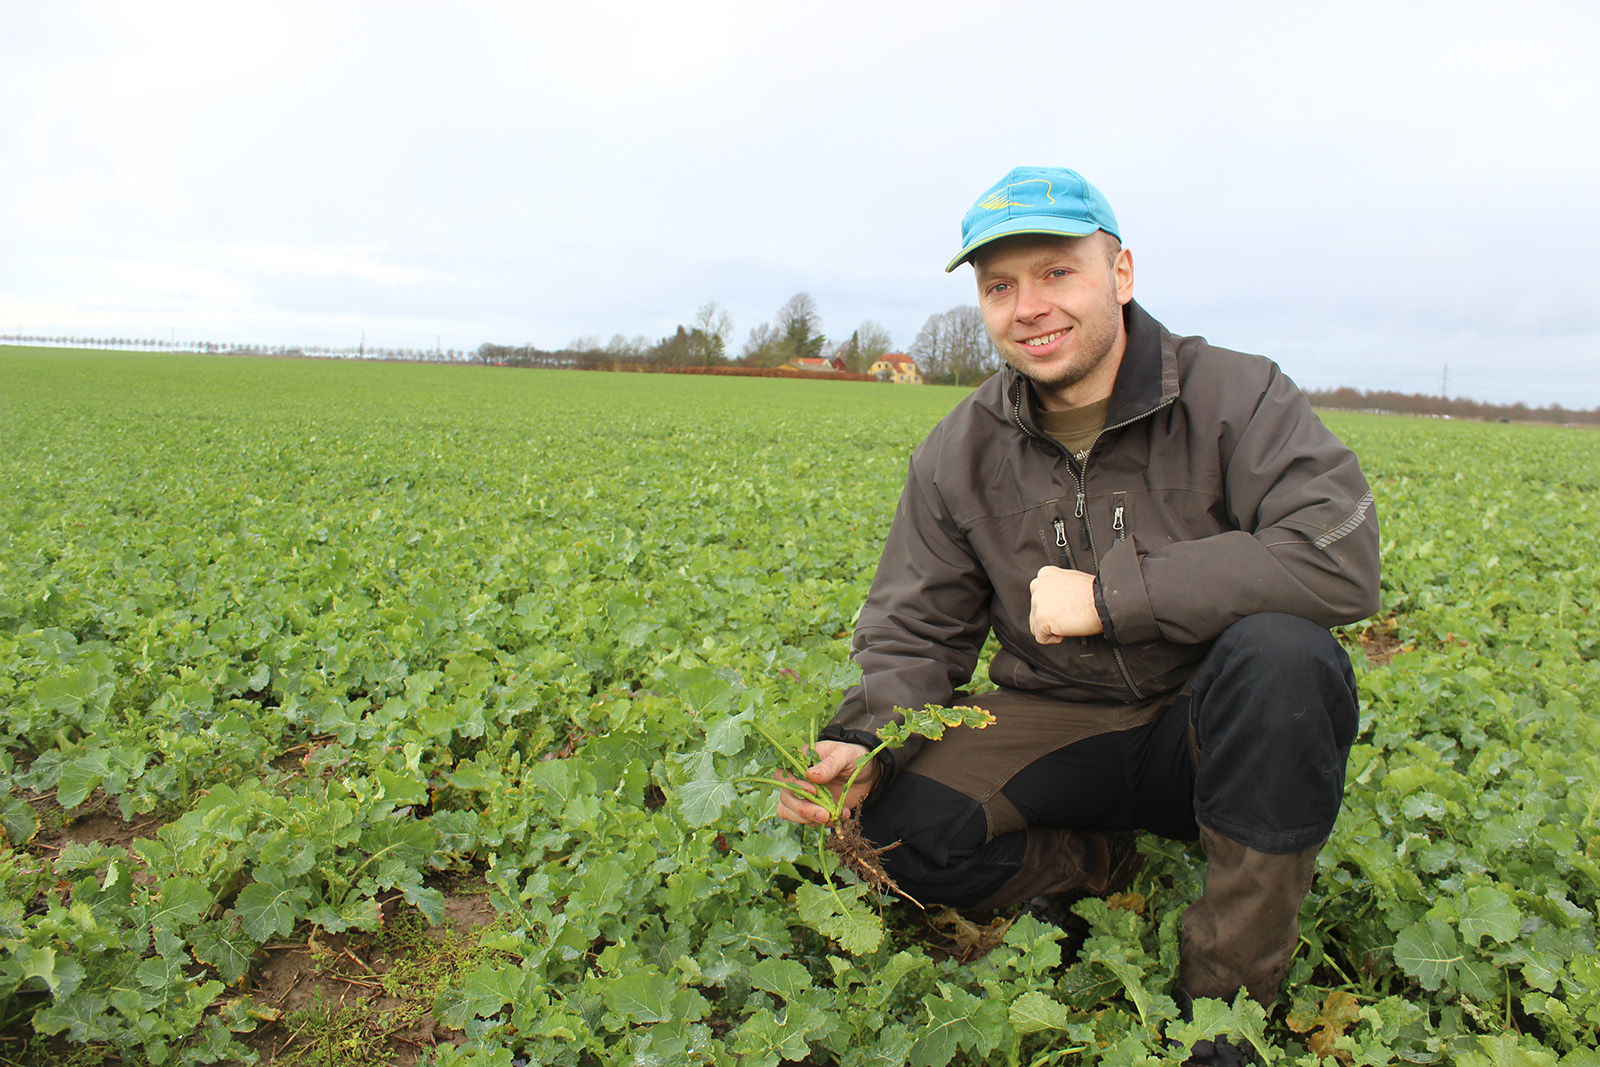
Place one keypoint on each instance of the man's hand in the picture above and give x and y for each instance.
(1063, 605)
(836, 762)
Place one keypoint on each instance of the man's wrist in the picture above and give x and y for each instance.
(1106, 628)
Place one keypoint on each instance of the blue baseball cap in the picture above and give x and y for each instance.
(1051, 200)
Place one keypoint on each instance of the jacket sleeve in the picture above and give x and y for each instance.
(1305, 542)
(923, 626)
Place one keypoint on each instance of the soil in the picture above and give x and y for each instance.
(329, 974)
(314, 979)
(1379, 642)
(96, 819)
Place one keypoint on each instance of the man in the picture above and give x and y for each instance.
(1160, 533)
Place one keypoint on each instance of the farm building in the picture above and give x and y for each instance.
(894, 367)
(814, 363)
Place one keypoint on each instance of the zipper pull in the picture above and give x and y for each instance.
(1061, 533)
(1078, 513)
(1116, 524)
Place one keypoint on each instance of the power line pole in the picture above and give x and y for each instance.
(1444, 383)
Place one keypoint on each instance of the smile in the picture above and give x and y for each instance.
(1039, 342)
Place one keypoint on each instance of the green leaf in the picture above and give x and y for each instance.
(841, 915)
(1132, 978)
(1208, 1017)
(79, 778)
(1033, 1011)
(726, 736)
(785, 978)
(402, 789)
(18, 821)
(354, 912)
(703, 692)
(410, 841)
(931, 721)
(222, 945)
(642, 997)
(887, 977)
(481, 995)
(1507, 1050)
(764, 1039)
(61, 977)
(703, 800)
(955, 1023)
(270, 906)
(427, 900)
(161, 973)
(81, 1017)
(605, 887)
(1243, 1019)
(181, 902)
(1428, 951)
(1489, 912)
(890, 1047)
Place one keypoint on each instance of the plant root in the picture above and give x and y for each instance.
(846, 841)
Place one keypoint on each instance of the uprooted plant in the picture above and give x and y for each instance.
(841, 834)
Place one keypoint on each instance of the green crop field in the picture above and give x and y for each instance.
(387, 714)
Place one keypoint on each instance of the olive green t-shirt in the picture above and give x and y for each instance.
(1076, 428)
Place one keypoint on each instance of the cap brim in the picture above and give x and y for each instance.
(1045, 224)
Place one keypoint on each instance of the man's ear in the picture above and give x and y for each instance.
(1122, 268)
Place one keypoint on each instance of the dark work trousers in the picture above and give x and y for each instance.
(1253, 749)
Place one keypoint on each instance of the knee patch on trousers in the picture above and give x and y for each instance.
(940, 824)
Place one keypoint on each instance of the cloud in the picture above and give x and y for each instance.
(366, 264)
(1405, 179)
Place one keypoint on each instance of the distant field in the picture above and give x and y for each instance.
(380, 713)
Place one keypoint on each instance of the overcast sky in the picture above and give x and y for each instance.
(1367, 193)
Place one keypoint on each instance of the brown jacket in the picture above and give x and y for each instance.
(1214, 492)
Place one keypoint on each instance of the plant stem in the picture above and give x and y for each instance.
(794, 761)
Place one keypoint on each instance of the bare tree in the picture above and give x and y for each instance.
(795, 332)
(761, 347)
(713, 329)
(800, 326)
(622, 348)
(955, 347)
(869, 343)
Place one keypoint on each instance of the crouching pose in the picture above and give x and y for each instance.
(1159, 533)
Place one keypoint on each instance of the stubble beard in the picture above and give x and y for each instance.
(1097, 348)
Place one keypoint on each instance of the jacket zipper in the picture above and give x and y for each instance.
(1080, 513)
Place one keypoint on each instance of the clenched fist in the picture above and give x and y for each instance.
(1063, 605)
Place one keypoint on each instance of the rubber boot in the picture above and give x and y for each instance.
(1242, 931)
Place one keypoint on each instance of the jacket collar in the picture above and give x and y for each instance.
(1146, 381)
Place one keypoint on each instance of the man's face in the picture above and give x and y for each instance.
(1053, 306)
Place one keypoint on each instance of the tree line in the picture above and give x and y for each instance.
(951, 348)
(242, 348)
(1345, 398)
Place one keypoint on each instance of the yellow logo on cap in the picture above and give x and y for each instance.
(1001, 200)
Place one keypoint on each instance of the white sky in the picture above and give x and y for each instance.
(1365, 192)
